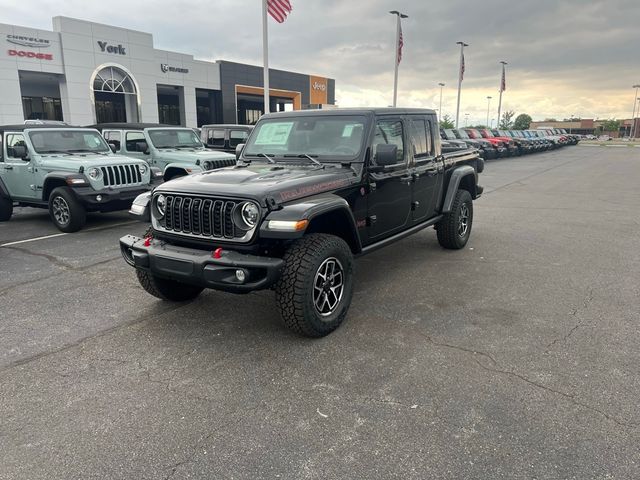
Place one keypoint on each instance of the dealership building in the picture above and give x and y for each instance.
(85, 73)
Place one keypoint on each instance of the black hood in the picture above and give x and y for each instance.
(259, 181)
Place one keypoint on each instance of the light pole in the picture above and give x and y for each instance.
(440, 110)
(502, 89)
(488, 106)
(492, 120)
(633, 115)
(460, 77)
(398, 30)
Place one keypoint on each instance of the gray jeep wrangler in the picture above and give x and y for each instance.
(69, 170)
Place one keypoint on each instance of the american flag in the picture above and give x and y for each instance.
(400, 45)
(279, 9)
(503, 82)
(462, 67)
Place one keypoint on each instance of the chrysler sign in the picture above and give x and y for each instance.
(31, 42)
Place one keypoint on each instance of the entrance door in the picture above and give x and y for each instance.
(389, 200)
(110, 107)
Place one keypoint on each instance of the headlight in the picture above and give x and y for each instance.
(161, 203)
(246, 215)
(94, 173)
(142, 169)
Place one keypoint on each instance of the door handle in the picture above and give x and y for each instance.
(407, 179)
(8, 167)
(432, 173)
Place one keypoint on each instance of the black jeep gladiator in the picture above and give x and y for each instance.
(311, 190)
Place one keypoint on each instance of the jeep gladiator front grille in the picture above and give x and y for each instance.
(121, 175)
(200, 217)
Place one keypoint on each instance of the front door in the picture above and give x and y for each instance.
(424, 168)
(17, 174)
(389, 199)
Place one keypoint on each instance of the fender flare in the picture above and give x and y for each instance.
(454, 182)
(313, 208)
(182, 166)
(61, 178)
(4, 192)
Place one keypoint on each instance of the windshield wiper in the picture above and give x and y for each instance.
(305, 155)
(85, 150)
(263, 155)
(49, 152)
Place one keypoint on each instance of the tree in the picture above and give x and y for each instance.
(505, 122)
(522, 122)
(611, 125)
(446, 122)
(550, 120)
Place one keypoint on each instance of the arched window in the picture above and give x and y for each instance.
(113, 80)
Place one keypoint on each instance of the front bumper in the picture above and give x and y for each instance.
(111, 199)
(199, 267)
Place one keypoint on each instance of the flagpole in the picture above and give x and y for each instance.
(462, 45)
(395, 74)
(265, 56)
(501, 90)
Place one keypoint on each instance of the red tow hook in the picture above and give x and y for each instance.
(147, 241)
(217, 253)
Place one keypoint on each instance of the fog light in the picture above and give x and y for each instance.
(99, 198)
(241, 275)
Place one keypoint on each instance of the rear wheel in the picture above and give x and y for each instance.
(315, 289)
(66, 211)
(6, 209)
(166, 289)
(455, 227)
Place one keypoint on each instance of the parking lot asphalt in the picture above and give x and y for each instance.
(516, 357)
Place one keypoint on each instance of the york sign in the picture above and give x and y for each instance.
(117, 49)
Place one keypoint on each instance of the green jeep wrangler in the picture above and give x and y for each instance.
(70, 171)
(177, 151)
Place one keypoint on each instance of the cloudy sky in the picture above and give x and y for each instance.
(569, 57)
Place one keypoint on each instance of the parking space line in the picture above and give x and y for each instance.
(18, 242)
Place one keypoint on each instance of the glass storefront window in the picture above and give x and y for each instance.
(42, 108)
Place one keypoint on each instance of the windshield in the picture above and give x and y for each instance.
(174, 138)
(487, 133)
(463, 134)
(321, 136)
(68, 141)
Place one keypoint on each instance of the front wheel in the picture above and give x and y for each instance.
(66, 211)
(315, 289)
(455, 227)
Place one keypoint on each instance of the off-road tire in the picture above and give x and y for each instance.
(167, 289)
(448, 228)
(77, 212)
(6, 209)
(294, 290)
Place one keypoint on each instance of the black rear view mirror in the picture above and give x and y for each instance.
(142, 147)
(113, 148)
(20, 151)
(386, 155)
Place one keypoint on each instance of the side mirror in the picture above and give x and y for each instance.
(113, 148)
(239, 148)
(386, 155)
(142, 147)
(20, 151)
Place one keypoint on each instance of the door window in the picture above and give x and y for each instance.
(132, 138)
(237, 137)
(115, 137)
(14, 140)
(389, 132)
(421, 138)
(215, 138)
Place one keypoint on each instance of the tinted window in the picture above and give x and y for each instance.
(132, 139)
(14, 140)
(421, 138)
(389, 132)
(237, 136)
(215, 138)
(113, 136)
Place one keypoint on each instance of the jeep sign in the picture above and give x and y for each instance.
(117, 49)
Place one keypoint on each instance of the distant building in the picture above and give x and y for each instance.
(84, 73)
(589, 126)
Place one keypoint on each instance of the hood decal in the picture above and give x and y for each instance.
(313, 189)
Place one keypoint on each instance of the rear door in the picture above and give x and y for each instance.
(389, 199)
(424, 168)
